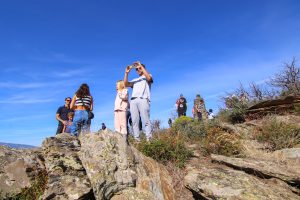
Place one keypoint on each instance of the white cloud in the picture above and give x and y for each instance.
(12, 85)
(25, 100)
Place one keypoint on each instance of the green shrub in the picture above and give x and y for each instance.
(166, 147)
(219, 142)
(188, 128)
(297, 109)
(233, 115)
(278, 134)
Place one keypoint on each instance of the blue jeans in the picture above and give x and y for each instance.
(80, 122)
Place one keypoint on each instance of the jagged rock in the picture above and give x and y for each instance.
(67, 177)
(18, 169)
(283, 105)
(117, 170)
(220, 183)
(266, 169)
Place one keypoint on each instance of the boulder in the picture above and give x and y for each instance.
(222, 183)
(19, 169)
(262, 168)
(67, 177)
(118, 171)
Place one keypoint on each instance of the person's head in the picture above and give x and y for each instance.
(67, 101)
(139, 70)
(120, 85)
(83, 90)
(70, 115)
(210, 110)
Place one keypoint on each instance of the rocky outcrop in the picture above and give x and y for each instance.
(18, 169)
(278, 106)
(95, 166)
(224, 183)
(264, 169)
(67, 177)
(117, 170)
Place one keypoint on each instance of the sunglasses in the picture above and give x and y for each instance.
(68, 100)
(137, 69)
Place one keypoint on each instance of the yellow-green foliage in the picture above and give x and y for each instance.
(36, 190)
(166, 147)
(188, 128)
(219, 142)
(278, 134)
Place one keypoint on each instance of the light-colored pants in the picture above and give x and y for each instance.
(121, 122)
(140, 107)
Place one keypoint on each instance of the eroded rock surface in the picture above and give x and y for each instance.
(117, 170)
(67, 177)
(267, 169)
(18, 169)
(221, 183)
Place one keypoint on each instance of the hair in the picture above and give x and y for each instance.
(71, 114)
(83, 90)
(68, 98)
(120, 85)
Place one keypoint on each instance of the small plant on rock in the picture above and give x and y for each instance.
(220, 142)
(166, 148)
(278, 134)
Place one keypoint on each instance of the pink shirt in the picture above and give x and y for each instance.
(121, 102)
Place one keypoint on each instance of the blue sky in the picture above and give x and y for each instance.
(48, 48)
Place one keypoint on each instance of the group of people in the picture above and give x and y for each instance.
(75, 116)
(198, 110)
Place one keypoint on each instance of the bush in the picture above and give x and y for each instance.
(233, 115)
(220, 142)
(166, 147)
(278, 134)
(188, 128)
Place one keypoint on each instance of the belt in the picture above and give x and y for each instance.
(132, 98)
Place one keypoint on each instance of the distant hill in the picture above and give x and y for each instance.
(17, 146)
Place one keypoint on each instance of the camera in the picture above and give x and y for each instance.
(132, 66)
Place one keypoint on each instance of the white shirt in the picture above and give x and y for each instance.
(141, 87)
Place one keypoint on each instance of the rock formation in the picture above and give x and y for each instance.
(95, 166)
(103, 166)
(278, 106)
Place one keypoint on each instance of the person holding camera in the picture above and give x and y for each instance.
(140, 99)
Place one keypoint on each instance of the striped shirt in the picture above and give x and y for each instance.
(84, 101)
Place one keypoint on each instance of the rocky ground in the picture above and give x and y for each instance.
(103, 166)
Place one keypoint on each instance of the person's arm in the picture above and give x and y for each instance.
(92, 104)
(126, 83)
(58, 116)
(73, 102)
(145, 72)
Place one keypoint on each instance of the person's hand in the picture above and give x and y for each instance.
(127, 70)
(64, 122)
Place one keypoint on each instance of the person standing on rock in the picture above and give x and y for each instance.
(82, 102)
(62, 115)
(121, 107)
(140, 99)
